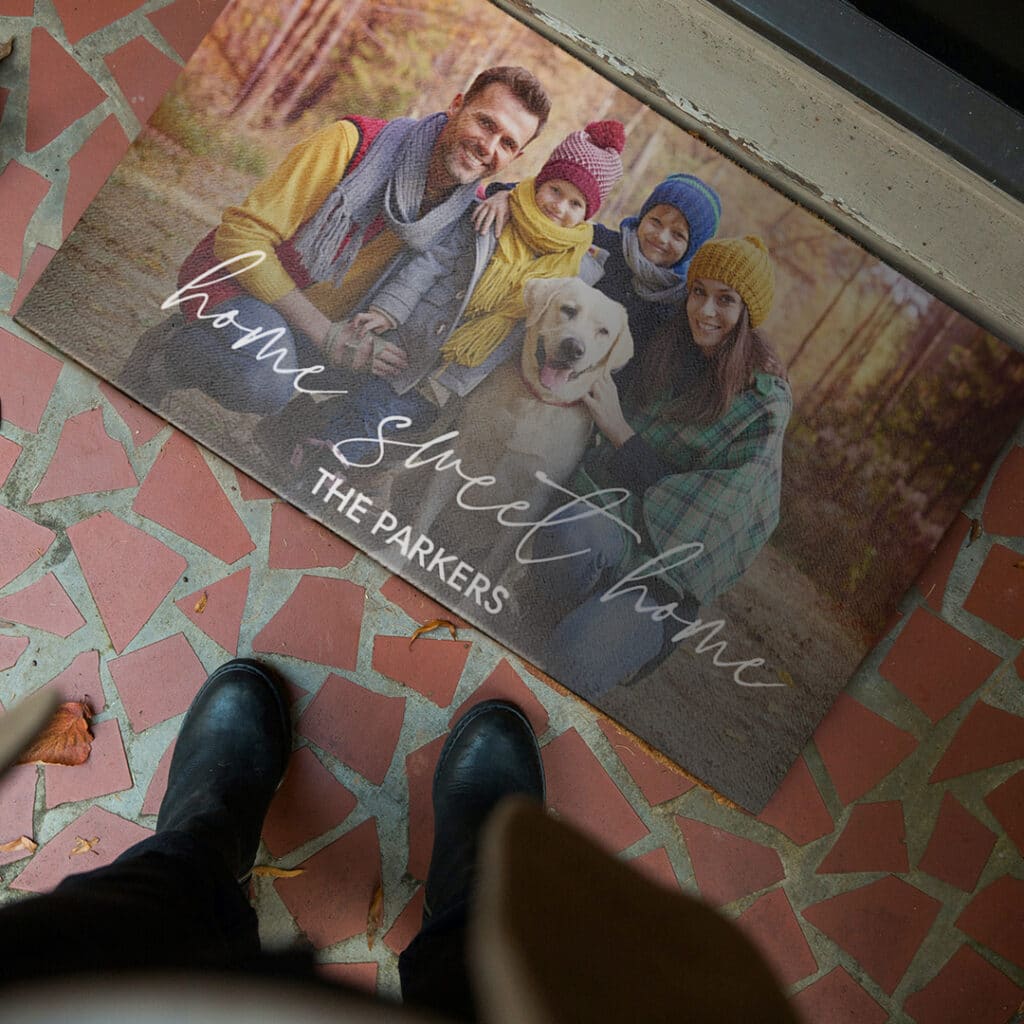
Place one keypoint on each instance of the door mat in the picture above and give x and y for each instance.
(785, 426)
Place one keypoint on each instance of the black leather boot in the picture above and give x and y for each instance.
(230, 758)
(491, 753)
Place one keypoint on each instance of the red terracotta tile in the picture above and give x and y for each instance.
(158, 783)
(968, 988)
(505, 684)
(987, 737)
(16, 8)
(110, 552)
(181, 493)
(27, 381)
(183, 23)
(935, 665)
(11, 649)
(995, 917)
(1004, 507)
(359, 727)
(25, 542)
(217, 609)
(81, 19)
(87, 460)
(772, 926)
(90, 167)
(144, 75)
(17, 802)
(419, 769)
(37, 263)
(250, 490)
(407, 924)
(106, 771)
(331, 899)
(144, 426)
(81, 681)
(416, 604)
(310, 802)
(54, 861)
(298, 542)
(998, 592)
(158, 681)
(21, 192)
(59, 91)
(656, 867)
(859, 748)
(320, 622)
(362, 977)
(9, 452)
(932, 581)
(581, 792)
(43, 605)
(837, 997)
(727, 866)
(658, 782)
(875, 839)
(797, 809)
(1006, 802)
(959, 847)
(431, 667)
(880, 925)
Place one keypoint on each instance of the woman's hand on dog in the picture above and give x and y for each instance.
(602, 400)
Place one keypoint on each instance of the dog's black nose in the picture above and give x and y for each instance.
(570, 349)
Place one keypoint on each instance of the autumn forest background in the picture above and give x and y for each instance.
(901, 403)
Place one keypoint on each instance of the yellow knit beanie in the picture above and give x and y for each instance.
(744, 265)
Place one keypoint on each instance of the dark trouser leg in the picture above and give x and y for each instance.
(433, 966)
(166, 902)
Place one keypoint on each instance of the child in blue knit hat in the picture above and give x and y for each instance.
(644, 263)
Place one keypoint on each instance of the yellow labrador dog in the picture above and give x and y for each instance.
(528, 416)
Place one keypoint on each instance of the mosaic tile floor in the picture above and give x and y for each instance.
(885, 881)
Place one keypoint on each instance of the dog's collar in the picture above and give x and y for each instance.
(540, 396)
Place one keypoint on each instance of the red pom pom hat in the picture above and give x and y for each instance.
(590, 160)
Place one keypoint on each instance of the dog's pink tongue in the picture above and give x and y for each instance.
(553, 378)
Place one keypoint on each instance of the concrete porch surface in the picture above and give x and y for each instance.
(884, 881)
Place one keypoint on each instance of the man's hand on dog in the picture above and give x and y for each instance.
(603, 402)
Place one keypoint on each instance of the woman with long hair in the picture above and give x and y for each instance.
(685, 475)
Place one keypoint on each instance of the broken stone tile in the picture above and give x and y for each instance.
(959, 847)
(27, 381)
(217, 609)
(25, 542)
(657, 781)
(431, 667)
(874, 839)
(43, 605)
(106, 770)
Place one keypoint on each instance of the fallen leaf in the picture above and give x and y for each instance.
(375, 916)
(6, 47)
(266, 871)
(1019, 565)
(975, 531)
(84, 846)
(201, 604)
(433, 624)
(785, 677)
(66, 740)
(21, 843)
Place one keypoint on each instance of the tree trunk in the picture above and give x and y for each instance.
(277, 41)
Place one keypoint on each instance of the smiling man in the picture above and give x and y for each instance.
(329, 221)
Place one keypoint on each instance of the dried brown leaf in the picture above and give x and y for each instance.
(201, 604)
(266, 871)
(1019, 565)
(431, 625)
(375, 916)
(975, 531)
(84, 846)
(6, 47)
(21, 843)
(66, 740)
(786, 677)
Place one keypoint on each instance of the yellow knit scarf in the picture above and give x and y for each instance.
(531, 246)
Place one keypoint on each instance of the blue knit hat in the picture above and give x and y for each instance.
(696, 200)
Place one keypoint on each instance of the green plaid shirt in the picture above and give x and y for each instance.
(724, 494)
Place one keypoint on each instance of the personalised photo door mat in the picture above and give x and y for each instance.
(785, 426)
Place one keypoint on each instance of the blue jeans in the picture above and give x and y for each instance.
(595, 644)
(237, 378)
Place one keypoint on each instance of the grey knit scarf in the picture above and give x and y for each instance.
(389, 181)
(650, 282)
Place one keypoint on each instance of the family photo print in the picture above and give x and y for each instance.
(542, 352)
